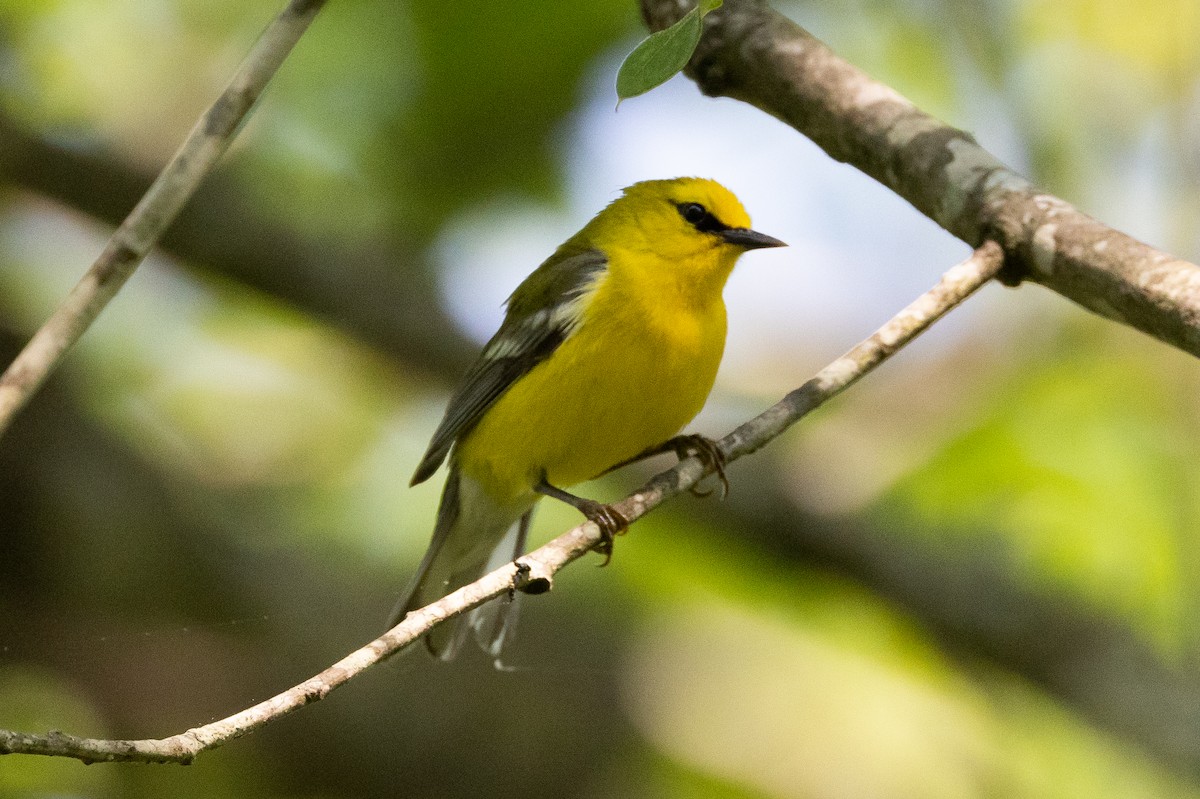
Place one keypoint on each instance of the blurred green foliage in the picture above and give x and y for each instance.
(208, 503)
(1085, 467)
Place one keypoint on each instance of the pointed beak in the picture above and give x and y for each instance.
(750, 239)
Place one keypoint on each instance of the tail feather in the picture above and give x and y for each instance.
(418, 587)
(469, 528)
(494, 623)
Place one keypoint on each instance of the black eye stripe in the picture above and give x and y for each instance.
(700, 218)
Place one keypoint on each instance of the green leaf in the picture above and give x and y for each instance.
(663, 53)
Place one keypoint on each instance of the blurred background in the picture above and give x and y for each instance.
(977, 574)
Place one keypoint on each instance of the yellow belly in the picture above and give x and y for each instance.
(626, 380)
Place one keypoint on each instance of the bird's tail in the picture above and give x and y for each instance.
(470, 530)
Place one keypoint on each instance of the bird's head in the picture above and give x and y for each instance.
(680, 218)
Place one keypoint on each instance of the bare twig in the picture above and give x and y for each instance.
(381, 291)
(539, 566)
(128, 246)
(752, 53)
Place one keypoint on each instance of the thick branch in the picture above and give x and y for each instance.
(538, 567)
(753, 53)
(177, 182)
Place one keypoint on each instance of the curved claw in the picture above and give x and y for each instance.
(611, 524)
(607, 518)
(710, 455)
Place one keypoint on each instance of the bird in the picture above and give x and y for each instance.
(607, 350)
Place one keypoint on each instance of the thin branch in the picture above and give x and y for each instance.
(534, 572)
(752, 53)
(128, 246)
(381, 291)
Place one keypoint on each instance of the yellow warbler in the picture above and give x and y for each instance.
(607, 350)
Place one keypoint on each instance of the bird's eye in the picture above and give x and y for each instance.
(693, 212)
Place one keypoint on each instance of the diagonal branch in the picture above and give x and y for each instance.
(752, 53)
(534, 572)
(220, 230)
(128, 246)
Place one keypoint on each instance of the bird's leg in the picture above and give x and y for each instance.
(607, 518)
(703, 447)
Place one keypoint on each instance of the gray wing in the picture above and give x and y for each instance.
(542, 313)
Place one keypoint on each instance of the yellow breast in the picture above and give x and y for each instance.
(637, 369)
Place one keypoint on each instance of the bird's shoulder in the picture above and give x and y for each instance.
(564, 276)
(542, 313)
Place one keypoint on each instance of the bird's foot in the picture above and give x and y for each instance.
(606, 517)
(709, 453)
(610, 521)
